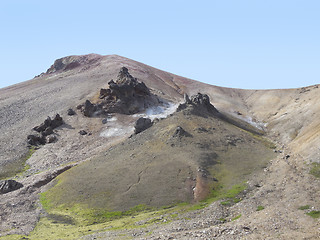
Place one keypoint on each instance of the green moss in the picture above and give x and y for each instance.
(174, 215)
(314, 214)
(226, 203)
(315, 170)
(219, 193)
(235, 218)
(73, 222)
(259, 208)
(44, 201)
(17, 168)
(305, 207)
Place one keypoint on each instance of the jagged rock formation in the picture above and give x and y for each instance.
(45, 130)
(126, 96)
(9, 186)
(199, 104)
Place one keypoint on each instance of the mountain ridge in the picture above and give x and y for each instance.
(288, 117)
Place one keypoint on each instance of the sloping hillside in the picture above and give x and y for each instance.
(252, 188)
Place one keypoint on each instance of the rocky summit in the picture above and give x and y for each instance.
(133, 152)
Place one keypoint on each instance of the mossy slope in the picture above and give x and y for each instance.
(158, 167)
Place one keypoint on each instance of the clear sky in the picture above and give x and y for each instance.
(253, 44)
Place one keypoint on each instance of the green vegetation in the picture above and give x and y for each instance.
(314, 214)
(226, 203)
(235, 218)
(30, 152)
(219, 193)
(259, 208)
(18, 167)
(72, 222)
(305, 207)
(315, 170)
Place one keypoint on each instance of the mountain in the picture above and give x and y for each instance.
(211, 162)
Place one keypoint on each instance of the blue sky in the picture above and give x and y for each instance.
(252, 44)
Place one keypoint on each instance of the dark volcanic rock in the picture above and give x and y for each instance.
(71, 112)
(180, 132)
(57, 121)
(83, 132)
(45, 129)
(36, 140)
(51, 138)
(9, 186)
(126, 95)
(49, 123)
(142, 124)
(88, 109)
(199, 104)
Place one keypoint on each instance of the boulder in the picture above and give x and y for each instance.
(9, 186)
(180, 132)
(142, 124)
(36, 140)
(88, 109)
(83, 132)
(71, 112)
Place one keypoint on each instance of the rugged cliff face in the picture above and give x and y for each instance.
(241, 150)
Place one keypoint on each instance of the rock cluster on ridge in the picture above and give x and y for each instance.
(126, 95)
(199, 104)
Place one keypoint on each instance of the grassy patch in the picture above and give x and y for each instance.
(225, 203)
(18, 167)
(29, 153)
(72, 222)
(259, 208)
(219, 193)
(314, 214)
(315, 170)
(305, 207)
(235, 218)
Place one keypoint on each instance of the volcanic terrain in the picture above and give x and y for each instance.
(104, 147)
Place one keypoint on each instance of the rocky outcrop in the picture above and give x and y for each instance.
(88, 109)
(198, 104)
(9, 186)
(180, 132)
(126, 95)
(45, 129)
(142, 124)
(72, 62)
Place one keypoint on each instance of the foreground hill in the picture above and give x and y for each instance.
(107, 177)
